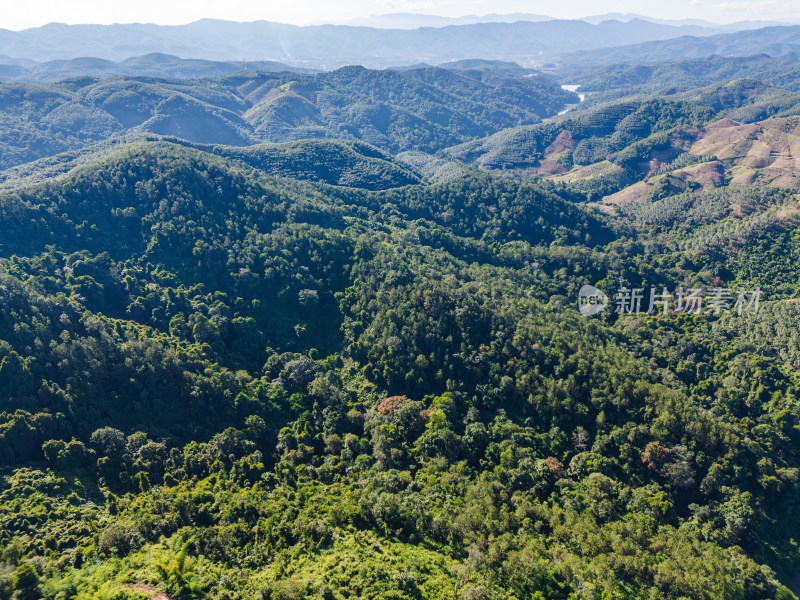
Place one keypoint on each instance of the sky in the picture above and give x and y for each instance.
(15, 14)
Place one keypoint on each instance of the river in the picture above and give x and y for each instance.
(581, 97)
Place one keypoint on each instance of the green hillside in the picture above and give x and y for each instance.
(335, 162)
(419, 109)
(217, 383)
(686, 73)
(291, 335)
(596, 152)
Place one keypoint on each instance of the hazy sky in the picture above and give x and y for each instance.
(16, 14)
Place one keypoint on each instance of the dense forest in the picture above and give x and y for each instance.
(423, 108)
(289, 335)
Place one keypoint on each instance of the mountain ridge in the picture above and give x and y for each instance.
(773, 41)
(417, 109)
(327, 46)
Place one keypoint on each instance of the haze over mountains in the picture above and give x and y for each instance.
(486, 113)
(773, 41)
(148, 65)
(331, 46)
(415, 20)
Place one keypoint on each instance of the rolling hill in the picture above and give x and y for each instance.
(683, 74)
(334, 162)
(617, 132)
(417, 109)
(745, 100)
(149, 65)
(192, 350)
(766, 153)
(416, 20)
(638, 151)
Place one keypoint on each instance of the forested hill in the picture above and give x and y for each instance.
(219, 380)
(625, 137)
(782, 71)
(153, 64)
(644, 149)
(335, 162)
(289, 335)
(416, 109)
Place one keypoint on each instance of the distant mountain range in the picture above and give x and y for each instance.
(149, 65)
(331, 46)
(729, 27)
(772, 41)
(415, 20)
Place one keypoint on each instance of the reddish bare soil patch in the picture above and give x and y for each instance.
(546, 168)
(155, 593)
(638, 192)
(710, 174)
(562, 143)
